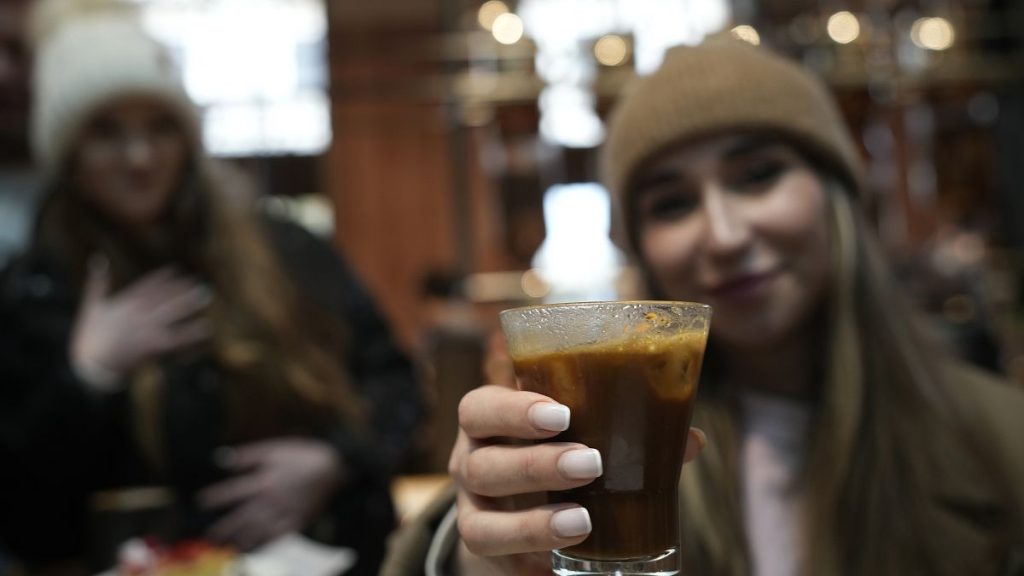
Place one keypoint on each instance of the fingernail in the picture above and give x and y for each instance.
(549, 416)
(580, 464)
(702, 438)
(571, 523)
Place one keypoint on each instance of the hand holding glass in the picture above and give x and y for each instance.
(628, 371)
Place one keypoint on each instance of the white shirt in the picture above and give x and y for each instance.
(772, 450)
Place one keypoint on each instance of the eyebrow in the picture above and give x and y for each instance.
(744, 146)
(654, 180)
(747, 146)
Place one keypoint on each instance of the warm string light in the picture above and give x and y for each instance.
(489, 12)
(611, 50)
(747, 33)
(508, 28)
(932, 33)
(843, 27)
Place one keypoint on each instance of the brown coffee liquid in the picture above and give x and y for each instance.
(632, 402)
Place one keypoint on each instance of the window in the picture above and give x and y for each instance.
(257, 68)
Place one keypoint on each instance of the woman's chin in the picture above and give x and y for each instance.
(749, 333)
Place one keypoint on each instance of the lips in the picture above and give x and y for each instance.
(744, 286)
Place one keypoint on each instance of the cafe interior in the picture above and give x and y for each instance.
(449, 149)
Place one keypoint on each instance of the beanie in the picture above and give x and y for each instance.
(724, 84)
(87, 54)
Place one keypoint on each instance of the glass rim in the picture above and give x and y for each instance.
(607, 303)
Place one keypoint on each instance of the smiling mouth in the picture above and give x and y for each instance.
(744, 286)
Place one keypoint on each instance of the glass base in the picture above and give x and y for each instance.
(663, 564)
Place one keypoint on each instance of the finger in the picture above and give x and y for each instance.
(237, 526)
(495, 411)
(231, 491)
(529, 564)
(186, 334)
(150, 283)
(279, 528)
(182, 303)
(261, 532)
(157, 288)
(498, 364)
(488, 532)
(247, 456)
(460, 451)
(506, 470)
(97, 282)
(256, 531)
(155, 297)
(695, 442)
(254, 525)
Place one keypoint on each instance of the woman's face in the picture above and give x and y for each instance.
(737, 222)
(129, 161)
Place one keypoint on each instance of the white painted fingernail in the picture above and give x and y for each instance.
(571, 523)
(549, 416)
(580, 464)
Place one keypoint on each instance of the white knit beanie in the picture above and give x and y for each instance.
(87, 54)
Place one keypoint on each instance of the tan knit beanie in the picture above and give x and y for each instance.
(88, 53)
(720, 85)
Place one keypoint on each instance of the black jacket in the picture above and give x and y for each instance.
(61, 442)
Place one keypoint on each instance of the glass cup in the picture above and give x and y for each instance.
(628, 371)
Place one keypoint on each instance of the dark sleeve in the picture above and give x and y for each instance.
(380, 371)
(50, 426)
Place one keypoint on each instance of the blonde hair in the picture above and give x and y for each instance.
(867, 470)
(280, 357)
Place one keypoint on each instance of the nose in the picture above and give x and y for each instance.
(727, 231)
(139, 150)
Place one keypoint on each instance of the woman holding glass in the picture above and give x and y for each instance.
(840, 439)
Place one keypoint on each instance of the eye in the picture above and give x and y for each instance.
(758, 174)
(105, 129)
(666, 204)
(163, 125)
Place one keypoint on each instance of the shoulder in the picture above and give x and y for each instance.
(30, 278)
(992, 404)
(993, 412)
(298, 246)
(283, 230)
(410, 548)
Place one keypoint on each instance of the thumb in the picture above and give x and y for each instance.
(243, 457)
(498, 364)
(97, 282)
(695, 443)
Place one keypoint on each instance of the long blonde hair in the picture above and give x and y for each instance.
(280, 358)
(867, 470)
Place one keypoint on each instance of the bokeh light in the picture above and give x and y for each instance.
(611, 50)
(489, 12)
(747, 33)
(933, 33)
(508, 28)
(843, 27)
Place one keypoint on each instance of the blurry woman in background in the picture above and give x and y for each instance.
(158, 333)
(840, 441)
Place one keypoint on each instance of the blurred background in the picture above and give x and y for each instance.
(448, 147)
